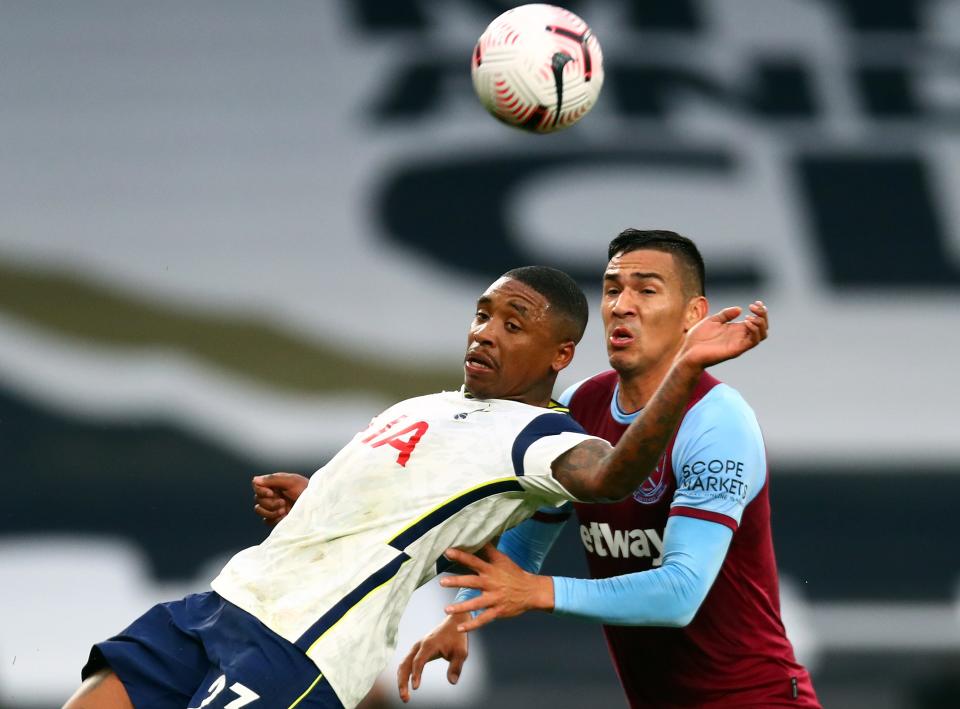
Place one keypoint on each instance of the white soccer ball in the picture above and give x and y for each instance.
(538, 67)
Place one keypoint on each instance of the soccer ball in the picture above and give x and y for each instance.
(538, 67)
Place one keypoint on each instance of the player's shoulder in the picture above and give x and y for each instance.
(722, 406)
(601, 384)
(424, 400)
(426, 406)
(528, 412)
(527, 420)
(516, 413)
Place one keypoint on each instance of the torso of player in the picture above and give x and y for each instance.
(428, 474)
(626, 536)
(735, 652)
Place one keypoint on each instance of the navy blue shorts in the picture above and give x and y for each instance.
(205, 650)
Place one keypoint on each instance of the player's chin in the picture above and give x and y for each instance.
(482, 385)
(622, 360)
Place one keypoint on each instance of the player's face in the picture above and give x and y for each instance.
(646, 310)
(513, 350)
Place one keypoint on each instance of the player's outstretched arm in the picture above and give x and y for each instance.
(668, 596)
(594, 471)
(274, 495)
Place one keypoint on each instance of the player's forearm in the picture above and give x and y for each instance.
(665, 597)
(527, 545)
(669, 596)
(637, 453)
(529, 542)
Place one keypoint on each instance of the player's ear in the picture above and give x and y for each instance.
(697, 310)
(563, 355)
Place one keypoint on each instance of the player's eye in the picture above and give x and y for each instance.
(649, 291)
(512, 326)
(613, 292)
(481, 316)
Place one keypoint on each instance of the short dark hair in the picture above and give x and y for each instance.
(562, 293)
(682, 248)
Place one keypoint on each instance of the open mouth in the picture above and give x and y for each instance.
(621, 337)
(477, 362)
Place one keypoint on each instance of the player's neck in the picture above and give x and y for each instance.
(539, 395)
(638, 387)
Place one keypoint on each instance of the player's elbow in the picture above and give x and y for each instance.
(606, 487)
(598, 488)
(611, 483)
(689, 595)
(682, 618)
(602, 494)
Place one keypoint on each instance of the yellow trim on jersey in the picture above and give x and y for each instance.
(353, 607)
(553, 405)
(398, 535)
(447, 502)
(308, 690)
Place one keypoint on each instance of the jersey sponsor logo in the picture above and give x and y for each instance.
(414, 432)
(724, 478)
(653, 487)
(600, 539)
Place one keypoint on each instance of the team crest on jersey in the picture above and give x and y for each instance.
(652, 489)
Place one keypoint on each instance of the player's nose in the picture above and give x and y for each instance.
(623, 306)
(483, 334)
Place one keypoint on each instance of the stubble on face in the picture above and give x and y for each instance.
(644, 308)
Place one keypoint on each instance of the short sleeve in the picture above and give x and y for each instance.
(541, 442)
(719, 460)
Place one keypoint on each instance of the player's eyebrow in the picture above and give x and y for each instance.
(639, 275)
(485, 301)
(522, 309)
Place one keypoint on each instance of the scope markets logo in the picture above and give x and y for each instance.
(850, 126)
(723, 478)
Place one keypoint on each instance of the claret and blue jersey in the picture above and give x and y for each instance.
(711, 470)
(684, 575)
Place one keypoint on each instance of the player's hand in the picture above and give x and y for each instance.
(719, 337)
(443, 641)
(507, 590)
(275, 494)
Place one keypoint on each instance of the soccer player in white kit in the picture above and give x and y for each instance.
(309, 617)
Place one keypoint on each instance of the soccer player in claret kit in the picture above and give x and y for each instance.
(684, 576)
(309, 617)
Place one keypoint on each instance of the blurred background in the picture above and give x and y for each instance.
(231, 232)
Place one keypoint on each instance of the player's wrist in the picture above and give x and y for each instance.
(543, 597)
(687, 366)
(455, 619)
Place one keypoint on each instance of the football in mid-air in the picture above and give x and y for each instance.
(538, 67)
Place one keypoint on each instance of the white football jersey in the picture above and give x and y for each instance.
(428, 474)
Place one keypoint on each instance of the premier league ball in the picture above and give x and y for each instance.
(538, 67)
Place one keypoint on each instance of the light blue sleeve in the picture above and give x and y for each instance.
(693, 552)
(719, 460)
(529, 542)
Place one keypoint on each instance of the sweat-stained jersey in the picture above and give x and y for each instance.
(735, 652)
(428, 474)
